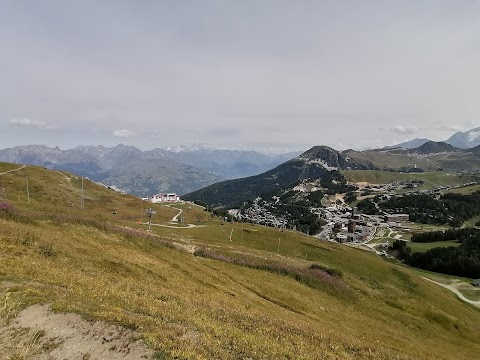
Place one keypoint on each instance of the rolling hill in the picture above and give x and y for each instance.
(250, 292)
(312, 164)
(430, 156)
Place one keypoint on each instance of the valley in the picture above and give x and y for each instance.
(219, 289)
(239, 180)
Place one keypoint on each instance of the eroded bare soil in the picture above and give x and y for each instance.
(38, 333)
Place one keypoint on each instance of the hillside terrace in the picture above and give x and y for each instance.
(440, 189)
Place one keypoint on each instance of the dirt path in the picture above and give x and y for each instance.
(65, 176)
(39, 334)
(9, 171)
(175, 218)
(188, 226)
(453, 289)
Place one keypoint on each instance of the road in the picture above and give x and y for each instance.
(455, 290)
(9, 171)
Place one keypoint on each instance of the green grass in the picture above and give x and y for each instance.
(432, 178)
(441, 278)
(8, 166)
(471, 294)
(465, 190)
(428, 163)
(422, 247)
(203, 308)
(471, 222)
(417, 227)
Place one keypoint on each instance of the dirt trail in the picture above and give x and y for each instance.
(453, 288)
(188, 226)
(9, 171)
(39, 334)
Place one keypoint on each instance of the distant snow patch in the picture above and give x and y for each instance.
(319, 162)
(473, 135)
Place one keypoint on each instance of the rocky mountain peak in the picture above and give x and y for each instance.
(433, 147)
(328, 158)
(465, 140)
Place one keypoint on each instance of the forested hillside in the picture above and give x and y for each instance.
(234, 193)
(316, 163)
(463, 260)
(449, 208)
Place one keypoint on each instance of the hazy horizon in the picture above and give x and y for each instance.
(270, 76)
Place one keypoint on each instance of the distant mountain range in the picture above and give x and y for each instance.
(409, 144)
(185, 169)
(181, 169)
(465, 140)
(462, 140)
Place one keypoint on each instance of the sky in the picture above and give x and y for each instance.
(268, 75)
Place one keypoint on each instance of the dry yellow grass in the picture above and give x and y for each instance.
(198, 308)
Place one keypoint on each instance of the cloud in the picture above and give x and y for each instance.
(456, 128)
(31, 123)
(404, 129)
(124, 133)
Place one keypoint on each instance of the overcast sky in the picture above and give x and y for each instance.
(269, 75)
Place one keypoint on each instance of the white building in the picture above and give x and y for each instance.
(162, 197)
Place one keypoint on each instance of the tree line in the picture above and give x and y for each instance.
(463, 260)
(448, 208)
(451, 234)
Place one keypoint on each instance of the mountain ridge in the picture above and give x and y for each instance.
(465, 140)
(314, 163)
(434, 147)
(186, 170)
(462, 140)
(411, 144)
(430, 156)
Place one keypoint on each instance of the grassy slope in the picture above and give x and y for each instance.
(201, 308)
(382, 159)
(467, 190)
(422, 247)
(432, 179)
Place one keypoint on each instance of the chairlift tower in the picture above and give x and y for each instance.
(28, 190)
(150, 212)
(82, 199)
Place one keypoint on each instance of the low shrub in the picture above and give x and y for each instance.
(6, 209)
(28, 239)
(315, 277)
(331, 271)
(47, 250)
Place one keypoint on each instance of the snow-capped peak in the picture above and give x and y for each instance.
(473, 135)
(196, 147)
